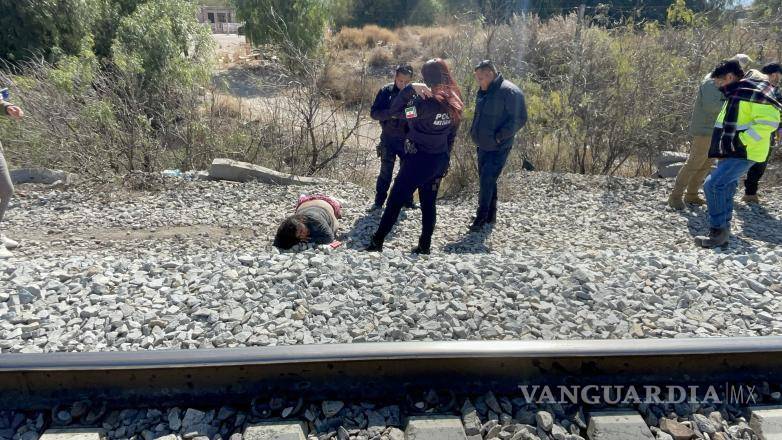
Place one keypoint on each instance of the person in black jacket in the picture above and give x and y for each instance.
(392, 137)
(500, 112)
(433, 112)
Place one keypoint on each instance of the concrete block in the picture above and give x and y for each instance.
(670, 157)
(620, 425)
(275, 431)
(227, 169)
(435, 428)
(73, 434)
(41, 175)
(766, 421)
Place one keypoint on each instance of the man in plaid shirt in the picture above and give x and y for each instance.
(741, 138)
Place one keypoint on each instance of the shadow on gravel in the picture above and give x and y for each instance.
(698, 224)
(472, 243)
(759, 224)
(361, 232)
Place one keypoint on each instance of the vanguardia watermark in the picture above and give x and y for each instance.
(631, 394)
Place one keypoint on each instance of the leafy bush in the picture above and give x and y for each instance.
(297, 25)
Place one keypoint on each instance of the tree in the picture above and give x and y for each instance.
(44, 27)
(162, 44)
(299, 23)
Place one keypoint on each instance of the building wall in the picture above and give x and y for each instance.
(222, 20)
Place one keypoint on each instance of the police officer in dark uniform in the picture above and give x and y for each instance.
(392, 138)
(433, 112)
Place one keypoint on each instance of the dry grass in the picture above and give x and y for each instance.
(337, 80)
(367, 37)
(226, 106)
(380, 57)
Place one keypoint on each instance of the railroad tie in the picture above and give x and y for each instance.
(435, 428)
(275, 431)
(618, 425)
(74, 434)
(766, 421)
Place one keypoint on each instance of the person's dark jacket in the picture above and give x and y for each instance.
(429, 126)
(392, 124)
(320, 224)
(500, 112)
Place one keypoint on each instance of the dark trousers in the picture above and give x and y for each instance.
(420, 171)
(490, 165)
(388, 151)
(753, 177)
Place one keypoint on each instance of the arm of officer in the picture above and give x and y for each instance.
(401, 100)
(379, 111)
(516, 109)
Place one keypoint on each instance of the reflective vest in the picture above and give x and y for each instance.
(756, 123)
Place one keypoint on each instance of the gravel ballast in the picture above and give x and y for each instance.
(191, 266)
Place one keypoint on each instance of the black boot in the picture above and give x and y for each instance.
(478, 224)
(375, 245)
(424, 247)
(716, 238)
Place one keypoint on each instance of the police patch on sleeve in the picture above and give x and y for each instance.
(411, 112)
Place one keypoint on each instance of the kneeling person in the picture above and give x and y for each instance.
(314, 221)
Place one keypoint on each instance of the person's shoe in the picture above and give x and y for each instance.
(694, 200)
(717, 237)
(375, 207)
(676, 203)
(9, 244)
(477, 225)
(375, 246)
(5, 253)
(411, 205)
(751, 200)
(421, 250)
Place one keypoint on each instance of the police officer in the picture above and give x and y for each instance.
(433, 111)
(392, 138)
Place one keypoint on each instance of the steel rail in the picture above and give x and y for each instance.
(377, 370)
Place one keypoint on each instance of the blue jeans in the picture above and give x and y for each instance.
(720, 187)
(490, 165)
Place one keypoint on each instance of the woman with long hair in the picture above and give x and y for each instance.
(433, 111)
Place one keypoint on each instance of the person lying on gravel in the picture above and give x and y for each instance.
(314, 221)
(6, 186)
(433, 111)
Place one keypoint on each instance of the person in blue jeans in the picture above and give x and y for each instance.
(500, 112)
(741, 138)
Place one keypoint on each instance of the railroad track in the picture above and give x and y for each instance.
(384, 372)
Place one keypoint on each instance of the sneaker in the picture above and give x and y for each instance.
(411, 205)
(676, 203)
(5, 253)
(751, 200)
(374, 207)
(694, 200)
(9, 244)
(716, 238)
